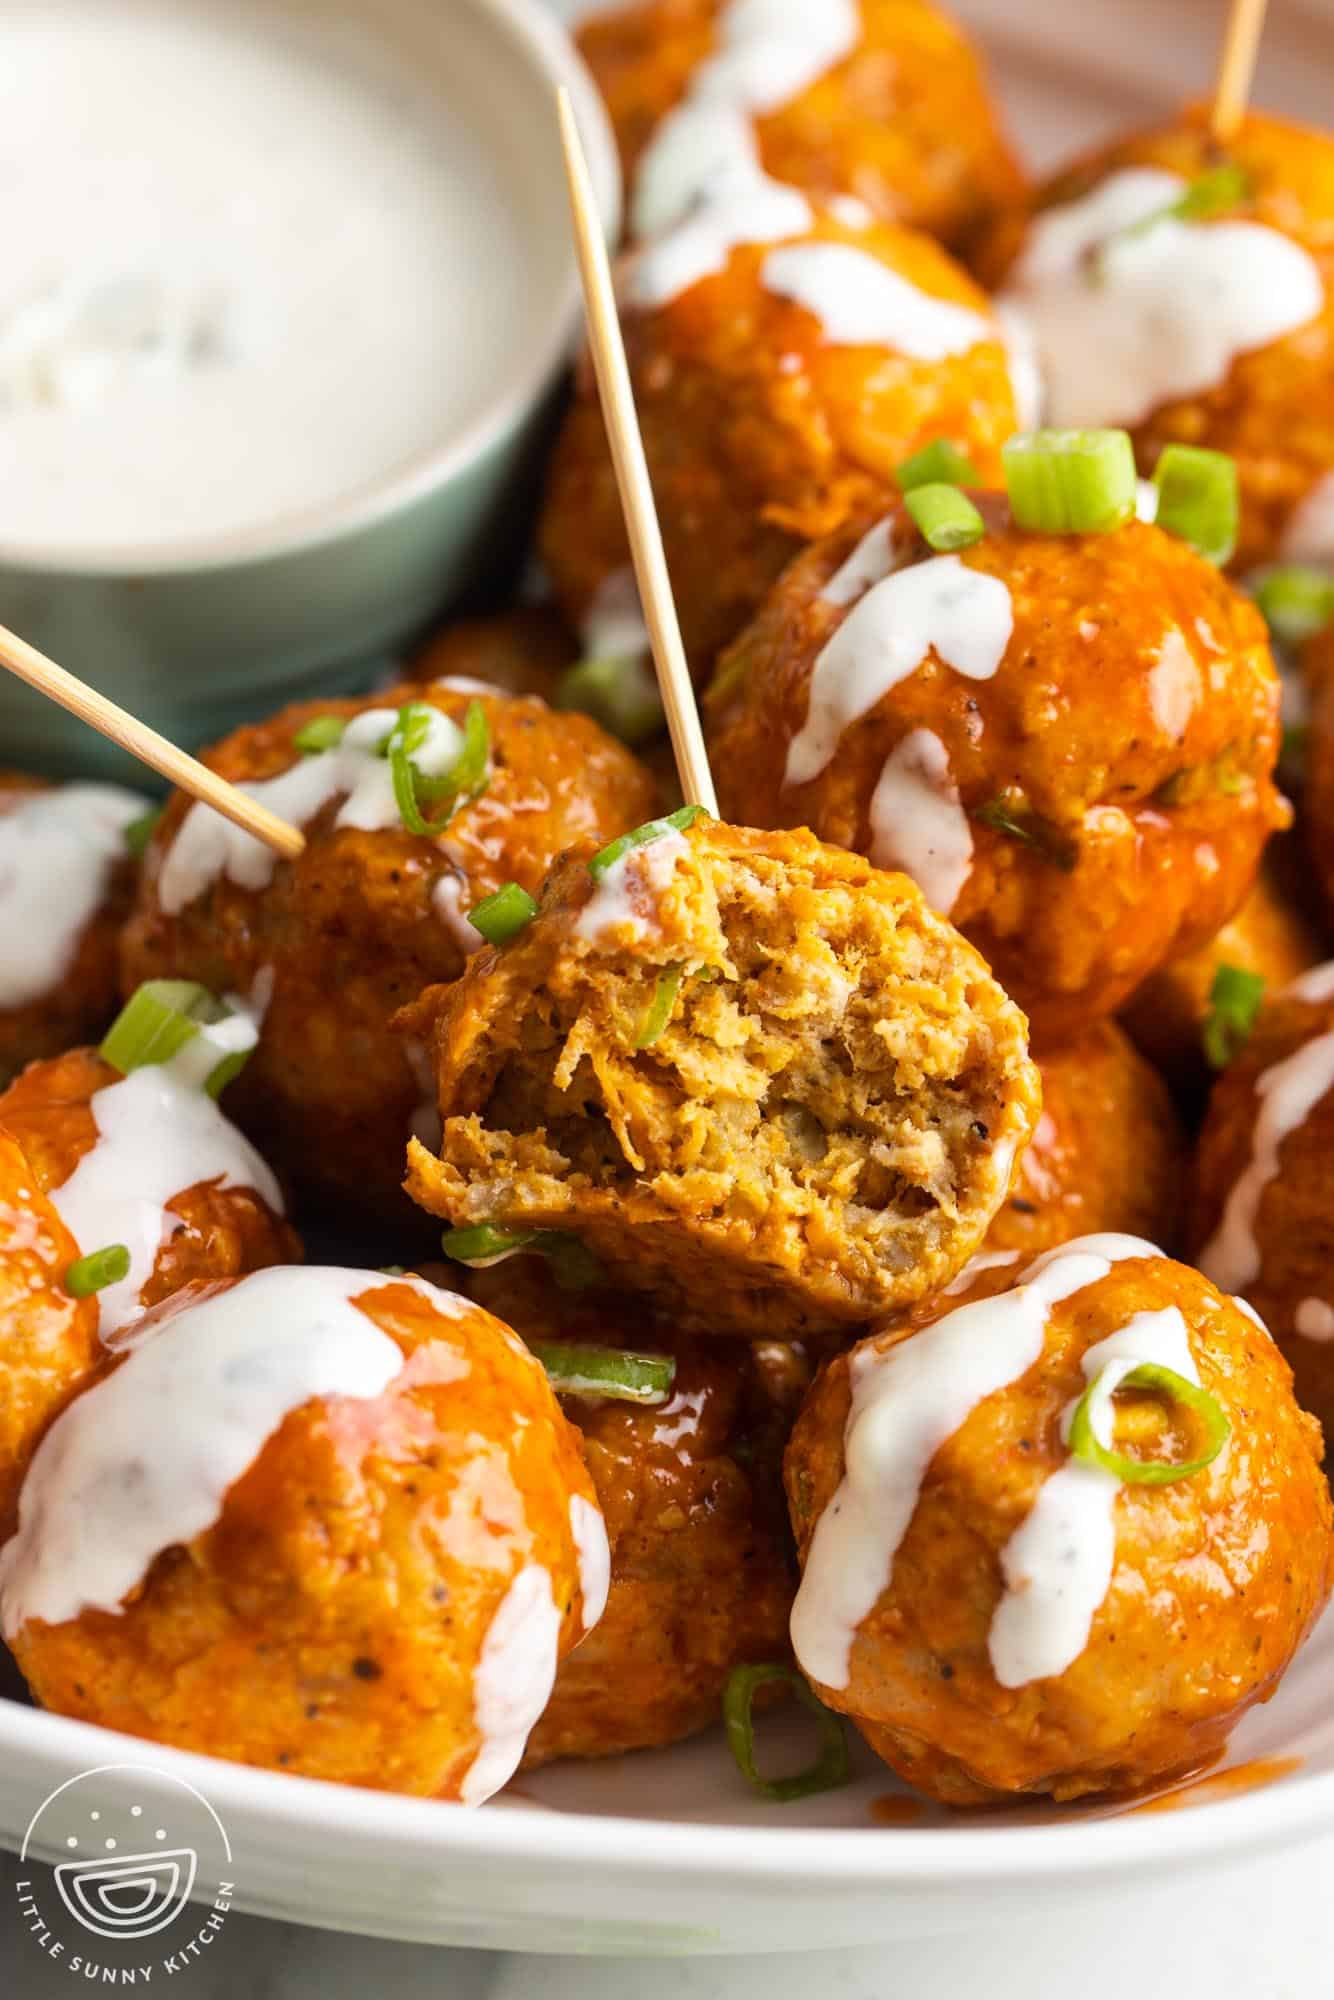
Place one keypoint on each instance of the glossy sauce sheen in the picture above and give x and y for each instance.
(917, 821)
(1126, 319)
(57, 853)
(1286, 1094)
(615, 914)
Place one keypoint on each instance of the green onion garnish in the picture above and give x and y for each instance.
(1212, 1418)
(1070, 482)
(156, 1023)
(1234, 1003)
(659, 1010)
(97, 1270)
(502, 915)
(830, 1768)
(480, 1244)
(413, 788)
(1199, 499)
(321, 733)
(652, 829)
(574, 1267)
(1039, 834)
(945, 517)
(939, 463)
(606, 1371)
(140, 831)
(621, 694)
(1296, 602)
(1209, 194)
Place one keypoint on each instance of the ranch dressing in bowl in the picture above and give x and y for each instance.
(254, 264)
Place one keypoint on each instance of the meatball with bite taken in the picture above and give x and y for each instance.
(416, 804)
(315, 1520)
(882, 101)
(779, 383)
(1068, 740)
(1021, 1529)
(1185, 289)
(66, 883)
(752, 1073)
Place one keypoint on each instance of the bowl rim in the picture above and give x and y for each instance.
(538, 38)
(431, 1830)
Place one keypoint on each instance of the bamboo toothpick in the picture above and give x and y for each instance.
(145, 744)
(1236, 67)
(627, 451)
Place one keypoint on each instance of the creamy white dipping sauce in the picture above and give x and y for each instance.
(906, 1402)
(1058, 1566)
(1124, 322)
(917, 821)
(250, 267)
(860, 302)
(1287, 1093)
(614, 914)
(962, 614)
(57, 853)
(143, 1461)
(158, 1133)
(207, 846)
(1309, 534)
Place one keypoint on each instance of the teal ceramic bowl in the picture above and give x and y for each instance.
(198, 637)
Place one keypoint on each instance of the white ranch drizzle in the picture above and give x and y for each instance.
(906, 1402)
(766, 53)
(860, 302)
(1317, 983)
(757, 210)
(917, 821)
(57, 851)
(1021, 354)
(143, 1461)
(613, 626)
(448, 902)
(1058, 1566)
(1314, 1320)
(594, 1553)
(513, 1680)
(208, 846)
(1309, 534)
(1125, 322)
(877, 555)
(610, 917)
(1286, 1094)
(963, 614)
(158, 1133)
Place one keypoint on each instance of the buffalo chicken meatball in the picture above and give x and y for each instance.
(1263, 1210)
(66, 883)
(756, 1076)
(1318, 794)
(1183, 289)
(328, 947)
(779, 385)
(48, 1336)
(1062, 1537)
(1068, 741)
(315, 1520)
(880, 100)
(690, 1487)
(147, 1162)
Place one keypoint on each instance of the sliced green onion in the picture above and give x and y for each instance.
(503, 914)
(945, 517)
(1070, 482)
(1209, 194)
(573, 1265)
(156, 1023)
(97, 1270)
(652, 829)
(479, 1245)
(830, 1768)
(1199, 499)
(465, 778)
(939, 463)
(1296, 602)
(612, 1372)
(620, 693)
(1234, 1003)
(1213, 1420)
(659, 1011)
(140, 831)
(321, 733)
(1039, 834)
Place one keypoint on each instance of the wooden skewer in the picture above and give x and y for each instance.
(145, 744)
(1236, 67)
(627, 451)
